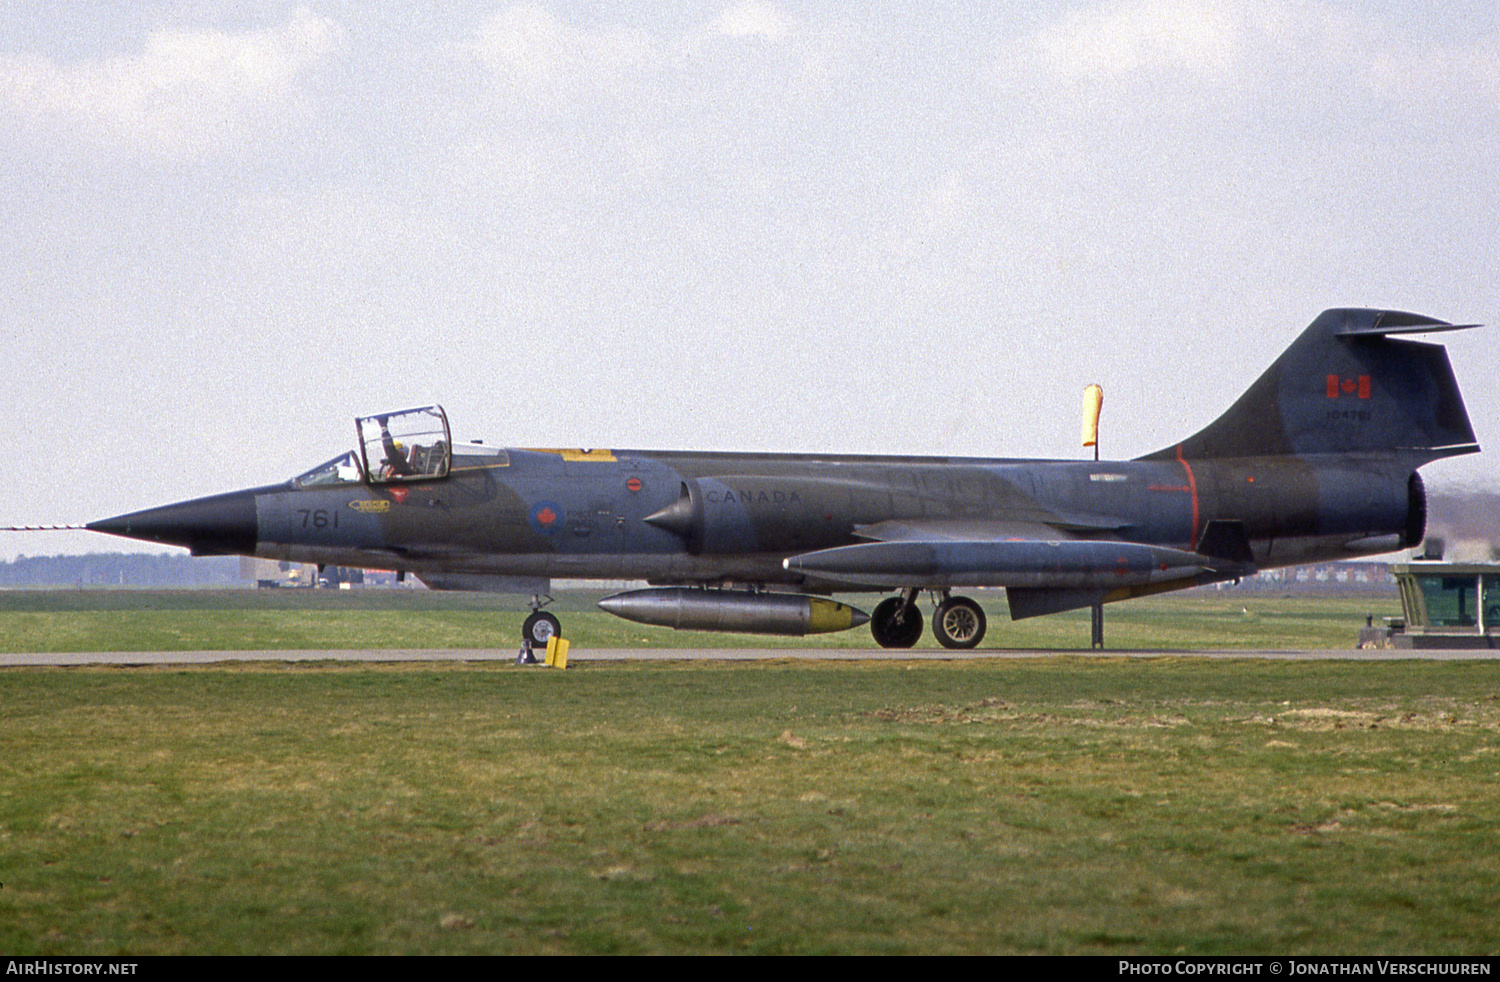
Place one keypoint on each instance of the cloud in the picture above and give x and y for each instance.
(1433, 78)
(1303, 46)
(753, 20)
(527, 50)
(1124, 36)
(183, 95)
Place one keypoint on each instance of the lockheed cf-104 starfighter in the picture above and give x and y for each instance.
(1316, 461)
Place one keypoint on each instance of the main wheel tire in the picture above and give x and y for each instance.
(895, 623)
(539, 627)
(958, 623)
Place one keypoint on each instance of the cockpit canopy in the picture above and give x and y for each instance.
(410, 445)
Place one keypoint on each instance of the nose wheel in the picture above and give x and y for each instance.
(540, 626)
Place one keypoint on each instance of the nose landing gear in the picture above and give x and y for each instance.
(540, 625)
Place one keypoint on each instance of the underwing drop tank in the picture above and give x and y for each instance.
(688, 609)
(1063, 564)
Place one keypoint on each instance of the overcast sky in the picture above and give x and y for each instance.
(227, 229)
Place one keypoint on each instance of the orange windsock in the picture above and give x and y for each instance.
(1093, 402)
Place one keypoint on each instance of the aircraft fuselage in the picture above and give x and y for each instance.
(562, 514)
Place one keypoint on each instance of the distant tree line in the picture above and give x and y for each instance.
(103, 569)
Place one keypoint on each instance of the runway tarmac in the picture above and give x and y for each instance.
(585, 655)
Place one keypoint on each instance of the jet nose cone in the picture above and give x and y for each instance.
(223, 524)
(858, 618)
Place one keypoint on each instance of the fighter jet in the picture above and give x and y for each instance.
(1316, 461)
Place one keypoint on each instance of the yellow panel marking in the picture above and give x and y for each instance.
(605, 456)
(828, 615)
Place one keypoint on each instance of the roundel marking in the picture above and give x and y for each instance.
(545, 515)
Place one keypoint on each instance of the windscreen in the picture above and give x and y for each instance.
(343, 469)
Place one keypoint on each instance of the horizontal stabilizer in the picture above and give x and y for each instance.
(1398, 322)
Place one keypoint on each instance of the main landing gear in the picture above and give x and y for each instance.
(896, 621)
(958, 622)
(540, 625)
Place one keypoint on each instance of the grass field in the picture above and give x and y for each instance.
(170, 620)
(1064, 805)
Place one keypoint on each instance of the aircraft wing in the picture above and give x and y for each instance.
(1045, 567)
(960, 530)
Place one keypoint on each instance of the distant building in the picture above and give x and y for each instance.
(1445, 605)
(270, 573)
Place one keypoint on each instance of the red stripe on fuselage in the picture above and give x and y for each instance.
(1193, 490)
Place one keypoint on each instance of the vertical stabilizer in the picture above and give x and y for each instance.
(1346, 386)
